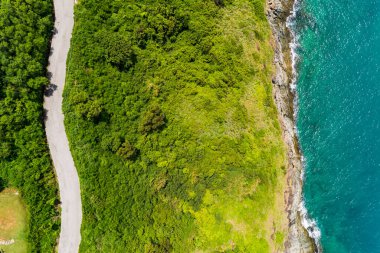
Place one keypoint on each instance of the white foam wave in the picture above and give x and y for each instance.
(308, 223)
(294, 44)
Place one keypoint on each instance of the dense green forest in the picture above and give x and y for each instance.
(25, 29)
(169, 112)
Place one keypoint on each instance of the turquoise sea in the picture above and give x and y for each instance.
(338, 120)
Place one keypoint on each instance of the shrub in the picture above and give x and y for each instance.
(127, 151)
(153, 119)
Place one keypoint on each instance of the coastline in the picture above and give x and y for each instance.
(298, 239)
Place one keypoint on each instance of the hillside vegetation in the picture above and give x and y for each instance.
(169, 113)
(25, 29)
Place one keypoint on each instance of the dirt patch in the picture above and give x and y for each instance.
(239, 227)
(7, 222)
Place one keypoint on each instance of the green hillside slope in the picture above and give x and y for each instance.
(172, 126)
(25, 29)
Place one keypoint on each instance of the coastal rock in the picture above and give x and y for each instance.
(298, 240)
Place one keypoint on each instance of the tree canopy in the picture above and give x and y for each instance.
(182, 150)
(25, 31)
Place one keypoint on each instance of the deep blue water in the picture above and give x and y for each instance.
(339, 120)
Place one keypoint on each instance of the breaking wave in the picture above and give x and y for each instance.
(308, 223)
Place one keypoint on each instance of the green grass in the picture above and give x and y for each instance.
(13, 222)
(169, 112)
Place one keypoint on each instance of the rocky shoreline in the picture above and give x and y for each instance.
(298, 239)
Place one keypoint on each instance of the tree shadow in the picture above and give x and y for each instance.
(2, 184)
(45, 115)
(49, 75)
(50, 90)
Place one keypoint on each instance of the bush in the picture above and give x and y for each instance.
(127, 151)
(153, 119)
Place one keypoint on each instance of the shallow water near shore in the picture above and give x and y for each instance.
(339, 120)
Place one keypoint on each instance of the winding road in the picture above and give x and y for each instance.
(69, 188)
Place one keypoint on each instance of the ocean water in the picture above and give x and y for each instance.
(338, 120)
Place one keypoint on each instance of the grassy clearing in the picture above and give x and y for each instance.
(13, 222)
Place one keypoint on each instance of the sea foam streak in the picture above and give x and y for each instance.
(308, 223)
